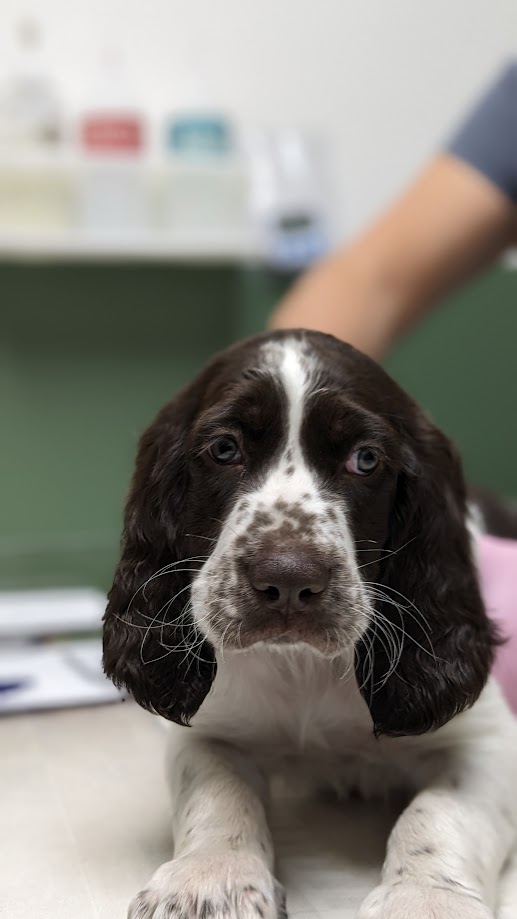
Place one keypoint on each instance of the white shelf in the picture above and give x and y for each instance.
(60, 242)
(75, 245)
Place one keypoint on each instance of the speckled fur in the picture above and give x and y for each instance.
(288, 507)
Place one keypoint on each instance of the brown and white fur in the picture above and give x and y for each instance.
(297, 585)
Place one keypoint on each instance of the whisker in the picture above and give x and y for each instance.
(169, 569)
(224, 523)
(198, 536)
(166, 569)
(393, 655)
(378, 591)
(392, 651)
(432, 654)
(386, 552)
(168, 604)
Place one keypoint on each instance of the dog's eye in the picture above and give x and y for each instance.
(362, 461)
(225, 451)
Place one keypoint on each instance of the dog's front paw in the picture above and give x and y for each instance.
(226, 886)
(409, 901)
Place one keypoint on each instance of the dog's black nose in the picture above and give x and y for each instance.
(288, 580)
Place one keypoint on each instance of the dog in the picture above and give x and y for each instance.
(298, 585)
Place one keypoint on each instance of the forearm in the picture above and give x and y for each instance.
(449, 225)
(355, 301)
(452, 841)
(458, 832)
(218, 800)
(447, 849)
(223, 852)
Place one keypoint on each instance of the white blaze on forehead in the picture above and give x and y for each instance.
(295, 380)
(294, 371)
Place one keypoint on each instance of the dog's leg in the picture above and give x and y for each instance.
(223, 854)
(446, 852)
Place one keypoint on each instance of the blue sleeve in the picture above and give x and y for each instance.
(487, 139)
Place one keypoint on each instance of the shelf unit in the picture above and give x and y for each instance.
(146, 246)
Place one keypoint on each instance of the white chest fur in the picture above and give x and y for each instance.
(303, 716)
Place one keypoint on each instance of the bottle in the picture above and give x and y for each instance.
(289, 204)
(113, 193)
(205, 190)
(30, 112)
(35, 187)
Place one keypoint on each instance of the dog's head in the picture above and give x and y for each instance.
(294, 494)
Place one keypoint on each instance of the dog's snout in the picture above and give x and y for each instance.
(288, 580)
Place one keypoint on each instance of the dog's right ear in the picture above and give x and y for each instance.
(150, 643)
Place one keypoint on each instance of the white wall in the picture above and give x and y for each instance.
(385, 79)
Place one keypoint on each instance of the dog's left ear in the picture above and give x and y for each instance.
(432, 604)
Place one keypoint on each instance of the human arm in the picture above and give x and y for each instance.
(451, 223)
(457, 217)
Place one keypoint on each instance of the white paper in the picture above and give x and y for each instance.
(32, 613)
(53, 676)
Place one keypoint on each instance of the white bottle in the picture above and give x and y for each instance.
(35, 188)
(289, 204)
(30, 112)
(113, 192)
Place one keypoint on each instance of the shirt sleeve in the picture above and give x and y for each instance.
(487, 138)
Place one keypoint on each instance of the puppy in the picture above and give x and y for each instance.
(297, 585)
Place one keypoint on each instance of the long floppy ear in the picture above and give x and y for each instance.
(151, 645)
(429, 608)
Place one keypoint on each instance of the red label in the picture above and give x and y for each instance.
(111, 133)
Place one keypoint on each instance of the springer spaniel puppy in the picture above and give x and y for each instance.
(297, 585)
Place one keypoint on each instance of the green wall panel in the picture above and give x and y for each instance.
(88, 353)
(461, 366)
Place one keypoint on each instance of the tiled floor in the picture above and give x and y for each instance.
(84, 822)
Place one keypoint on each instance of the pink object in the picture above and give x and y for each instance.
(112, 134)
(498, 574)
